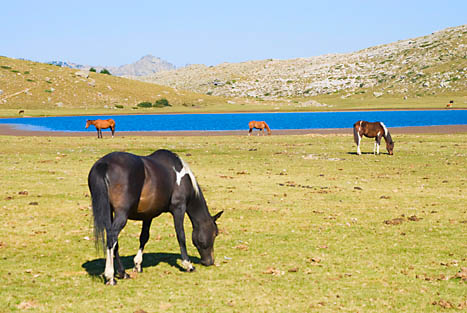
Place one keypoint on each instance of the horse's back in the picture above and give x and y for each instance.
(167, 158)
(137, 184)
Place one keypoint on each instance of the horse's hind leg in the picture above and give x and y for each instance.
(120, 268)
(143, 239)
(112, 239)
(113, 131)
(358, 140)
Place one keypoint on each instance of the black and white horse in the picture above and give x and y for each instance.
(126, 186)
(375, 130)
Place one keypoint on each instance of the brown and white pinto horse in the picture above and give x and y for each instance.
(258, 125)
(102, 124)
(372, 130)
(126, 186)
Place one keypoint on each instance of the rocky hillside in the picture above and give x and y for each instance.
(147, 65)
(429, 65)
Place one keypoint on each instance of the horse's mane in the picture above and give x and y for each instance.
(385, 129)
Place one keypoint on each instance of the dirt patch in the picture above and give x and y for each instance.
(446, 129)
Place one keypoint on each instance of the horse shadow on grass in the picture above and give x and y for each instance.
(363, 153)
(95, 268)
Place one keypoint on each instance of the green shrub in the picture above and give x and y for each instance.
(119, 106)
(5, 67)
(105, 71)
(92, 69)
(163, 102)
(145, 104)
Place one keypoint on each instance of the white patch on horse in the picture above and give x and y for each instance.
(359, 152)
(187, 265)
(109, 264)
(138, 260)
(385, 129)
(186, 170)
(180, 175)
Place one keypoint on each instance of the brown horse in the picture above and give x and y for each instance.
(258, 125)
(126, 186)
(372, 130)
(102, 124)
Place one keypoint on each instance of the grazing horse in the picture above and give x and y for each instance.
(102, 124)
(258, 125)
(126, 186)
(372, 130)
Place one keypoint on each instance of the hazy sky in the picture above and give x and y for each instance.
(211, 32)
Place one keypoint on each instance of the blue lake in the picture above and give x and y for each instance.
(239, 121)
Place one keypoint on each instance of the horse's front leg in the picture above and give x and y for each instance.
(143, 239)
(179, 214)
(377, 143)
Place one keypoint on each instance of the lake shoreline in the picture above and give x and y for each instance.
(7, 130)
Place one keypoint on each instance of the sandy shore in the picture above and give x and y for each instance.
(450, 129)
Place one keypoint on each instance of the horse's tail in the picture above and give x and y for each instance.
(97, 182)
(356, 129)
(267, 127)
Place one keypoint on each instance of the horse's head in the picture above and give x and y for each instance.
(88, 122)
(203, 238)
(390, 147)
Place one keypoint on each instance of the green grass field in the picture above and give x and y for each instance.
(308, 226)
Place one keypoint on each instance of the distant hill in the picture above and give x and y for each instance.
(147, 65)
(423, 66)
(33, 85)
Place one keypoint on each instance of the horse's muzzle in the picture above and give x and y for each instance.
(208, 260)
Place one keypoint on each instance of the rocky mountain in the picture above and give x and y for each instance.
(147, 65)
(427, 65)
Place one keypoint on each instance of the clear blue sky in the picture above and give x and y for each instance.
(211, 32)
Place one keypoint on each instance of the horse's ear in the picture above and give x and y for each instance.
(215, 217)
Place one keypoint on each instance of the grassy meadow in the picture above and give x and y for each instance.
(308, 226)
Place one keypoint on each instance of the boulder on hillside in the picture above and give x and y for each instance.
(82, 74)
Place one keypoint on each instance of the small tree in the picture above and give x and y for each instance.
(161, 103)
(105, 71)
(145, 104)
(92, 69)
